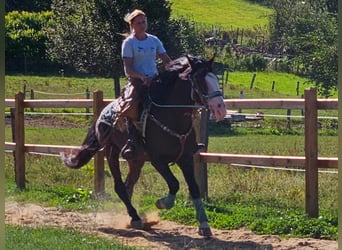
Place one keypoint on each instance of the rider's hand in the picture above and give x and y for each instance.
(146, 80)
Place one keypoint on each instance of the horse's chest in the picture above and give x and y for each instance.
(170, 137)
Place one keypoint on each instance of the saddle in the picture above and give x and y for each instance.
(133, 102)
(129, 104)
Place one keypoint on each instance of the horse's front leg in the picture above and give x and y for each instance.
(167, 201)
(187, 166)
(120, 188)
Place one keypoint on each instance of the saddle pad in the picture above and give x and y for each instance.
(111, 113)
(125, 105)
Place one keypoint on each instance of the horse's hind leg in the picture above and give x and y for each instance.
(119, 186)
(133, 175)
(187, 167)
(168, 201)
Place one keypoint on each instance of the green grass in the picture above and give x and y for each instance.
(47, 136)
(260, 218)
(222, 14)
(26, 238)
(284, 85)
(55, 87)
(261, 200)
(265, 201)
(257, 199)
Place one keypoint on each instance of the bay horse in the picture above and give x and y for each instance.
(187, 85)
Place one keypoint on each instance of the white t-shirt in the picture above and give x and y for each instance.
(144, 53)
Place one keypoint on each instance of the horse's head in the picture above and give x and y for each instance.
(205, 85)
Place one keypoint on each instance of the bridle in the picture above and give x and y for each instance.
(195, 88)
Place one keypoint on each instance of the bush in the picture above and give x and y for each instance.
(25, 41)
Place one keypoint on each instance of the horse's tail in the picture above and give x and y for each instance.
(83, 155)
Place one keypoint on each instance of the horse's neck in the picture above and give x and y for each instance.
(176, 98)
(180, 94)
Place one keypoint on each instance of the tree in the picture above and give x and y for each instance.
(307, 31)
(79, 39)
(88, 34)
(316, 47)
(183, 37)
(27, 5)
(25, 41)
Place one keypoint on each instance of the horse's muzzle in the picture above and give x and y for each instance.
(217, 108)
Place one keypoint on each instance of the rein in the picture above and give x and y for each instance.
(176, 106)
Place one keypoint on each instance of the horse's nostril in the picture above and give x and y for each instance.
(219, 105)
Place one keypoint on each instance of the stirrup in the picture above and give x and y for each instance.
(128, 151)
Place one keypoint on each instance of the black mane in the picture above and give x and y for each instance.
(166, 79)
(177, 69)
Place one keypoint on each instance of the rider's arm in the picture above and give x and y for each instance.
(165, 58)
(129, 70)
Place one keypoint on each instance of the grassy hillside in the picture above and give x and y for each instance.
(225, 14)
(285, 85)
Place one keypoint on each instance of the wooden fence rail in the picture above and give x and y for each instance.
(310, 162)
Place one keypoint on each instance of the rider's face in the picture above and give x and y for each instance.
(139, 24)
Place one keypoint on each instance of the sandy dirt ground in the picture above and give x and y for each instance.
(160, 235)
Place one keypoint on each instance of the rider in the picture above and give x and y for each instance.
(139, 52)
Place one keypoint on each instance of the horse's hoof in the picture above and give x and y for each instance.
(204, 230)
(160, 204)
(137, 224)
(166, 202)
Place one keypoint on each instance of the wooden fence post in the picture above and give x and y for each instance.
(87, 97)
(273, 85)
(288, 119)
(252, 82)
(19, 138)
(32, 98)
(297, 89)
(99, 182)
(200, 168)
(311, 153)
(24, 89)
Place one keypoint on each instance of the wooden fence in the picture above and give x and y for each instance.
(310, 162)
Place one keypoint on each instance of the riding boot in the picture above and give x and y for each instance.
(128, 152)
